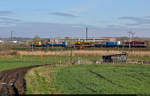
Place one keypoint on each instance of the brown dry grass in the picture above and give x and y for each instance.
(139, 53)
(74, 53)
(83, 53)
(7, 54)
(68, 53)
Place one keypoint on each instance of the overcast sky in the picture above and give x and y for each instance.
(63, 18)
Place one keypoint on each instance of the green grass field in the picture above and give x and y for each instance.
(80, 79)
(90, 79)
(15, 61)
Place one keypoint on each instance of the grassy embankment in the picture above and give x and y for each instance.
(90, 79)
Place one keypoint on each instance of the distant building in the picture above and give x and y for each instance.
(14, 41)
(89, 39)
(98, 39)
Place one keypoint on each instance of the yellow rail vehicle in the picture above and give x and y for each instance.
(83, 44)
(37, 44)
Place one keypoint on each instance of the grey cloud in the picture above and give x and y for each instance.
(130, 18)
(137, 20)
(2, 13)
(115, 26)
(63, 14)
(7, 21)
(133, 24)
(147, 16)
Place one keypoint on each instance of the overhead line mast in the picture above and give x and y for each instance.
(131, 38)
(11, 37)
(86, 30)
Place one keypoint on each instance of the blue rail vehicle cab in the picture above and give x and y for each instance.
(112, 44)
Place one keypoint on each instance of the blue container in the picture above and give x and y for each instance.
(112, 44)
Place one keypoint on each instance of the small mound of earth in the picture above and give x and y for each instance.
(83, 62)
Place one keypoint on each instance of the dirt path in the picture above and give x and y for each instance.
(13, 82)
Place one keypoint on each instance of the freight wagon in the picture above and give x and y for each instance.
(99, 45)
(112, 44)
(108, 44)
(83, 44)
(59, 44)
(50, 44)
(135, 44)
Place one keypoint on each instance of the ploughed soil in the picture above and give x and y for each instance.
(12, 81)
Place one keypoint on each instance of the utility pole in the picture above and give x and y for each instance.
(11, 37)
(32, 46)
(132, 33)
(71, 53)
(86, 30)
(50, 37)
(131, 38)
(52, 40)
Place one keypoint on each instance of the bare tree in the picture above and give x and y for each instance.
(36, 39)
